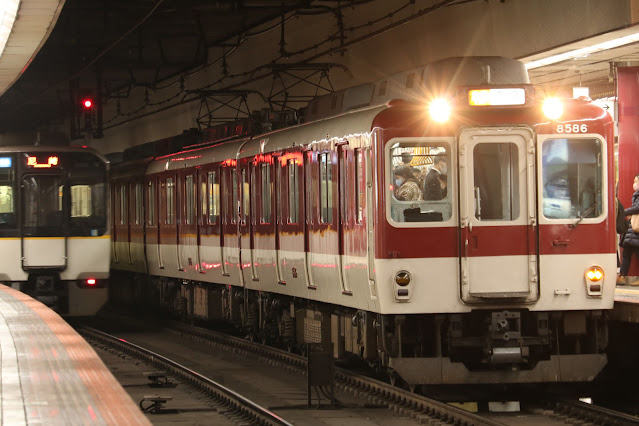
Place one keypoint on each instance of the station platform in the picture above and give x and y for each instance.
(626, 307)
(50, 375)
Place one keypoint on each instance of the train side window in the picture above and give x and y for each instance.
(203, 200)
(138, 203)
(151, 206)
(343, 186)
(572, 178)
(234, 198)
(308, 179)
(253, 184)
(246, 197)
(123, 204)
(190, 200)
(266, 193)
(360, 185)
(326, 188)
(293, 192)
(418, 182)
(213, 192)
(170, 192)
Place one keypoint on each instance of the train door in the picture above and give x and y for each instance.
(342, 211)
(244, 225)
(114, 234)
(292, 245)
(202, 219)
(152, 230)
(230, 253)
(498, 214)
(277, 182)
(186, 223)
(122, 237)
(215, 230)
(130, 211)
(136, 228)
(43, 215)
(167, 226)
(308, 213)
(324, 242)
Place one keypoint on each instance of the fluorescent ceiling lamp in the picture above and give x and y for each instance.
(8, 12)
(580, 91)
(611, 44)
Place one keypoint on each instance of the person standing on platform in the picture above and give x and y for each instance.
(630, 241)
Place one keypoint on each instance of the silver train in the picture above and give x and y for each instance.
(54, 226)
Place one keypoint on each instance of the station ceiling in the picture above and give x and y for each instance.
(116, 43)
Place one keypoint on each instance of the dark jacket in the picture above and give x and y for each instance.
(631, 238)
(432, 186)
(622, 223)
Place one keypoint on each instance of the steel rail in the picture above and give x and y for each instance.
(245, 407)
(399, 400)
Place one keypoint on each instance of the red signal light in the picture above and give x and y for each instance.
(87, 103)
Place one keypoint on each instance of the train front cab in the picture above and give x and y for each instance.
(54, 210)
(514, 267)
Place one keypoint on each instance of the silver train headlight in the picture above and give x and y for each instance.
(402, 286)
(594, 281)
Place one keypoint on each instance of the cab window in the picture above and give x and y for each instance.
(572, 177)
(418, 182)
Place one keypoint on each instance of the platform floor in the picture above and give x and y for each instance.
(626, 307)
(50, 375)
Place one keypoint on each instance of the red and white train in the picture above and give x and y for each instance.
(297, 233)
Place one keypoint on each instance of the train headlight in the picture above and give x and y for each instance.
(439, 110)
(553, 108)
(402, 278)
(403, 286)
(594, 281)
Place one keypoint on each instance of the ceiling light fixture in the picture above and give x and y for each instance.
(573, 54)
(8, 11)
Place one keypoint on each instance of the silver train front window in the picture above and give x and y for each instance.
(7, 193)
(43, 196)
(572, 178)
(418, 182)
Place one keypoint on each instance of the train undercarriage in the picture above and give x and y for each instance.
(480, 347)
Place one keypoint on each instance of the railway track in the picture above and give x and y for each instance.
(242, 407)
(424, 410)
(406, 404)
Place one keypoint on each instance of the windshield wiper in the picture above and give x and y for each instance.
(583, 215)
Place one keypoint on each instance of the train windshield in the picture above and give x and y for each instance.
(43, 202)
(572, 178)
(418, 182)
(7, 193)
(87, 189)
(67, 201)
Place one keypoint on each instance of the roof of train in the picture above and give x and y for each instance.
(329, 130)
